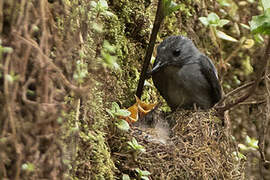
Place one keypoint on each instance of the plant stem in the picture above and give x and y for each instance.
(158, 20)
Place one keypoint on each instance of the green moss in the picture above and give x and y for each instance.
(128, 30)
(87, 153)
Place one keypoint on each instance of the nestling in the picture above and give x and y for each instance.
(184, 76)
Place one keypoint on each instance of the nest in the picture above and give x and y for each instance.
(197, 148)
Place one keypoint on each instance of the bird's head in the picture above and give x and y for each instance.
(175, 50)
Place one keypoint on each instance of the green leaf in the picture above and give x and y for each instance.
(243, 147)
(242, 156)
(252, 142)
(115, 106)
(204, 20)
(138, 171)
(142, 174)
(265, 4)
(213, 18)
(116, 111)
(261, 24)
(135, 145)
(122, 112)
(258, 38)
(245, 26)
(224, 36)
(111, 113)
(223, 22)
(122, 125)
(238, 156)
(135, 142)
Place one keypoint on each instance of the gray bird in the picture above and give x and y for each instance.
(184, 76)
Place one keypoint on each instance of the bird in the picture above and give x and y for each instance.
(185, 77)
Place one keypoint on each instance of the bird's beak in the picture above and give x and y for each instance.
(157, 67)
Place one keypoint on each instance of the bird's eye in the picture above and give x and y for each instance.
(176, 52)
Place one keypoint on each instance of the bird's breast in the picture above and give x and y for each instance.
(167, 82)
(182, 87)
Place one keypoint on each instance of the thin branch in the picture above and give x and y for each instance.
(253, 102)
(262, 64)
(158, 20)
(238, 89)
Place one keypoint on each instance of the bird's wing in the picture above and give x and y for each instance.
(209, 71)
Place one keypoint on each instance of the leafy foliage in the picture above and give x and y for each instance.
(224, 36)
(213, 20)
(122, 125)
(143, 174)
(261, 24)
(116, 112)
(133, 144)
(239, 156)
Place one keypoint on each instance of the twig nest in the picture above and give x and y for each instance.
(196, 147)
